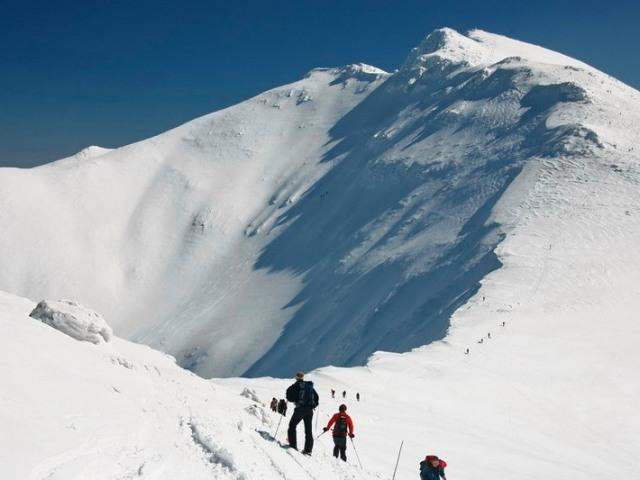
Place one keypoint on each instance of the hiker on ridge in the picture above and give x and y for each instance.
(432, 468)
(282, 407)
(343, 427)
(306, 399)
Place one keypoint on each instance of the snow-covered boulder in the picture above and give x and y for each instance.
(73, 319)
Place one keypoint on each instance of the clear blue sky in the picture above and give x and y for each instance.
(110, 72)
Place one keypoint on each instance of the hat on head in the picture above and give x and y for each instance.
(300, 375)
(342, 407)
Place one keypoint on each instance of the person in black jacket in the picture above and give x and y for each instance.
(306, 399)
(282, 407)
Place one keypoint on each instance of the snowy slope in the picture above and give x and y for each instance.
(488, 182)
(159, 235)
(349, 212)
(72, 410)
(553, 392)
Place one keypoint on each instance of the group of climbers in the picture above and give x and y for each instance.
(303, 394)
(279, 406)
(344, 394)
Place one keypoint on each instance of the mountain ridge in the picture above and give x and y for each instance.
(352, 200)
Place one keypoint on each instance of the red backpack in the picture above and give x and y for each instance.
(442, 465)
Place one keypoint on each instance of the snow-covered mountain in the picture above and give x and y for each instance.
(486, 194)
(349, 212)
(316, 223)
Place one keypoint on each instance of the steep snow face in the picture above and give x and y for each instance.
(346, 213)
(162, 236)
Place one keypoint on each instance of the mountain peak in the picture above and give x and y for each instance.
(445, 47)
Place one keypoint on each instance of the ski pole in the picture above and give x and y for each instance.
(355, 451)
(277, 428)
(325, 431)
(397, 461)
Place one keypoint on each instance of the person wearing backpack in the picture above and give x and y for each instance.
(306, 400)
(282, 407)
(343, 427)
(432, 468)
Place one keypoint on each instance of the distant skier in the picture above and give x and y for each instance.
(489, 335)
(466, 352)
(432, 468)
(343, 427)
(333, 393)
(358, 396)
(344, 394)
(274, 404)
(282, 407)
(504, 323)
(306, 399)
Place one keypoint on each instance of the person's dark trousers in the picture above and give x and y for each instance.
(306, 415)
(340, 447)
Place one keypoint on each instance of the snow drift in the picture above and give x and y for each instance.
(74, 320)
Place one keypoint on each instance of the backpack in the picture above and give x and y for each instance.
(427, 461)
(340, 429)
(282, 406)
(306, 395)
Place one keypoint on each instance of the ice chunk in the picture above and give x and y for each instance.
(73, 319)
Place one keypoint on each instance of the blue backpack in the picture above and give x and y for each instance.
(306, 395)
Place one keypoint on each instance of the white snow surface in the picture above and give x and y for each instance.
(71, 410)
(523, 402)
(485, 196)
(352, 199)
(73, 319)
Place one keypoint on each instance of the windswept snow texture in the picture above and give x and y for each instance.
(349, 212)
(74, 320)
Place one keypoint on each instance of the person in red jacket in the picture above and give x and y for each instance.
(343, 427)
